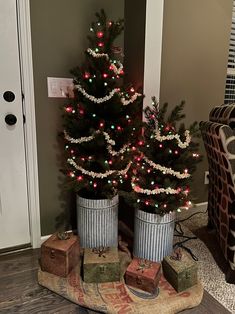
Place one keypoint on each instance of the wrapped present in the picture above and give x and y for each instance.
(143, 274)
(180, 270)
(101, 265)
(59, 255)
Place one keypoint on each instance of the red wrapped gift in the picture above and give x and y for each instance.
(58, 256)
(143, 274)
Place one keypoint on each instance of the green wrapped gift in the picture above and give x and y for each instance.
(101, 265)
(180, 270)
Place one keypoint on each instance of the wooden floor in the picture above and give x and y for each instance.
(20, 292)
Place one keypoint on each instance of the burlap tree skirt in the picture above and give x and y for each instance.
(116, 297)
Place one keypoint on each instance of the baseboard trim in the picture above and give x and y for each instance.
(201, 206)
(44, 238)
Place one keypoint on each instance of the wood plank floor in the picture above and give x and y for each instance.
(20, 292)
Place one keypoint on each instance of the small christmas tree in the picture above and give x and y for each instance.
(101, 122)
(162, 170)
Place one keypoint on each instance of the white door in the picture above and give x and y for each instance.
(14, 217)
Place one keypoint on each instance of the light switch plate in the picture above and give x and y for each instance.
(60, 87)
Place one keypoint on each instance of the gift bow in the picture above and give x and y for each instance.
(101, 250)
(143, 265)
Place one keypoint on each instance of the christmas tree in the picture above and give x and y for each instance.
(167, 157)
(101, 122)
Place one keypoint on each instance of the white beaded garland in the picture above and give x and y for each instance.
(93, 98)
(90, 138)
(181, 144)
(99, 175)
(169, 190)
(96, 54)
(166, 170)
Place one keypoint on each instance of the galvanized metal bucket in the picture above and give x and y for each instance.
(97, 222)
(153, 235)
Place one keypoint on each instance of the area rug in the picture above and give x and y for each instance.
(210, 258)
(117, 298)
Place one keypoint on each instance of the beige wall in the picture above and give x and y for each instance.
(194, 58)
(59, 30)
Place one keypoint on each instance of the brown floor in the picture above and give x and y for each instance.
(20, 292)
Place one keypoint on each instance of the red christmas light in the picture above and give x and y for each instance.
(94, 184)
(160, 145)
(110, 162)
(101, 124)
(101, 44)
(69, 109)
(119, 128)
(140, 143)
(80, 178)
(87, 75)
(132, 90)
(99, 34)
(72, 151)
(105, 75)
(81, 111)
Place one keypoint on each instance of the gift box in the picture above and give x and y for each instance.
(180, 271)
(58, 256)
(143, 274)
(101, 265)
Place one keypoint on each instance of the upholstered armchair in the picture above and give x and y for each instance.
(219, 140)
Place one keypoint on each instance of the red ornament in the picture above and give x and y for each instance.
(99, 34)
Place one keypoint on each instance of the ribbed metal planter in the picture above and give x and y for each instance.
(153, 235)
(97, 222)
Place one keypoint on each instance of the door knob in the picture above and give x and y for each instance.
(9, 96)
(10, 119)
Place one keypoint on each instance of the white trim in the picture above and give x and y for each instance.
(153, 49)
(30, 125)
(46, 237)
(202, 206)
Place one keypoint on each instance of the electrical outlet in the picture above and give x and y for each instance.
(60, 87)
(206, 177)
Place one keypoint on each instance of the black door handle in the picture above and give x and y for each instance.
(10, 119)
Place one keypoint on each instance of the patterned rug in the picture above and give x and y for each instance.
(211, 262)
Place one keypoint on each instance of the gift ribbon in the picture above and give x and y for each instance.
(101, 250)
(143, 265)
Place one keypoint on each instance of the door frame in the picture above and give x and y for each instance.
(25, 47)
